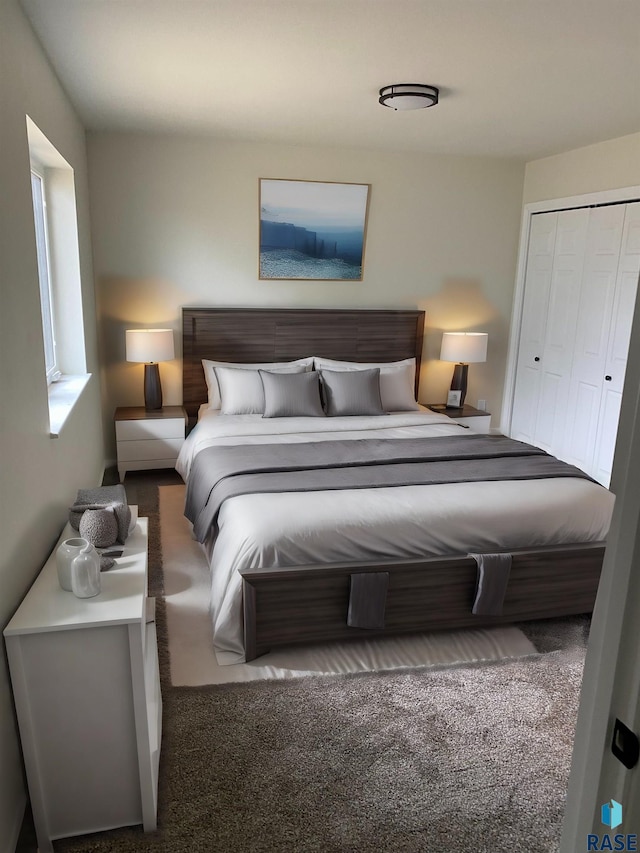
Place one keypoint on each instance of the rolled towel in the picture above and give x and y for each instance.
(492, 581)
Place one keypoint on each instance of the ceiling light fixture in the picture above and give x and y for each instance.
(408, 96)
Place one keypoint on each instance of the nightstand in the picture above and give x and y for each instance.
(148, 438)
(475, 419)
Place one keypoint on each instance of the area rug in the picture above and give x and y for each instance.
(430, 760)
(187, 584)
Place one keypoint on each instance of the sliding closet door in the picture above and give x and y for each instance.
(618, 345)
(604, 238)
(542, 241)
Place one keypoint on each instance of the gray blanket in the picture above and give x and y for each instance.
(222, 472)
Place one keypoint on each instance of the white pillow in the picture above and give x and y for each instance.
(212, 382)
(242, 391)
(397, 378)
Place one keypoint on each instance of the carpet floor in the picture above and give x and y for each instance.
(432, 760)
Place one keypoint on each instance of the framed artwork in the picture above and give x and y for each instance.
(310, 230)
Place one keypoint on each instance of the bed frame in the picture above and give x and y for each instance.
(304, 604)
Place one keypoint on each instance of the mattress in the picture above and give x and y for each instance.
(302, 528)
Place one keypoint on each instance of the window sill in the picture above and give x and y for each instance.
(63, 395)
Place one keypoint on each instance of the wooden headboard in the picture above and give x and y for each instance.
(247, 335)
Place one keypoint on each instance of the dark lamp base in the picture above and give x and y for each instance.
(459, 381)
(152, 387)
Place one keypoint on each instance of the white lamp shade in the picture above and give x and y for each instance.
(465, 347)
(149, 345)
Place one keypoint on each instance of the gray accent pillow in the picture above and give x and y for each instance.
(291, 395)
(352, 392)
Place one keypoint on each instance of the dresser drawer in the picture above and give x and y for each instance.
(149, 429)
(165, 448)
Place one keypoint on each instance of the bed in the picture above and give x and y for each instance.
(286, 566)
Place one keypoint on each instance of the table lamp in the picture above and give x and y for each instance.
(150, 346)
(463, 348)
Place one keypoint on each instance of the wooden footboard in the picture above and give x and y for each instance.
(306, 604)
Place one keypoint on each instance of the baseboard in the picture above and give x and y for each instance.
(14, 835)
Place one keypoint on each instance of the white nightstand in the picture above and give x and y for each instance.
(85, 679)
(475, 419)
(148, 439)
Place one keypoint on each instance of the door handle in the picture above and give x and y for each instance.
(607, 378)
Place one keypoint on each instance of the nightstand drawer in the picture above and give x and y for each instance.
(481, 424)
(150, 429)
(165, 448)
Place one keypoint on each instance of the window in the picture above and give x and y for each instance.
(44, 273)
(58, 257)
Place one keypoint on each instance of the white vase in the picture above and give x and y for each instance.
(67, 551)
(85, 572)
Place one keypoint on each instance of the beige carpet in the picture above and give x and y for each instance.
(193, 661)
(468, 759)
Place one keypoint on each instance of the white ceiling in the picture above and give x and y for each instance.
(518, 78)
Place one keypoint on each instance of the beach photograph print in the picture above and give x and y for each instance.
(312, 230)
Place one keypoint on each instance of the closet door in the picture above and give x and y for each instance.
(604, 238)
(542, 241)
(562, 315)
(618, 344)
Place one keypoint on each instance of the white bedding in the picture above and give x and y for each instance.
(407, 521)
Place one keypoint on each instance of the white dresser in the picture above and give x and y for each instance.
(86, 685)
(148, 439)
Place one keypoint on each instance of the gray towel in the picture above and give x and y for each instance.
(491, 588)
(99, 498)
(367, 599)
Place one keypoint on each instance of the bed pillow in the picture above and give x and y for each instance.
(291, 395)
(352, 392)
(211, 379)
(397, 380)
(241, 391)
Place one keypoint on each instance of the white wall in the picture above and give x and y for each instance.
(175, 222)
(39, 476)
(605, 166)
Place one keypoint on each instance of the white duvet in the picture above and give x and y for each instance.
(300, 528)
